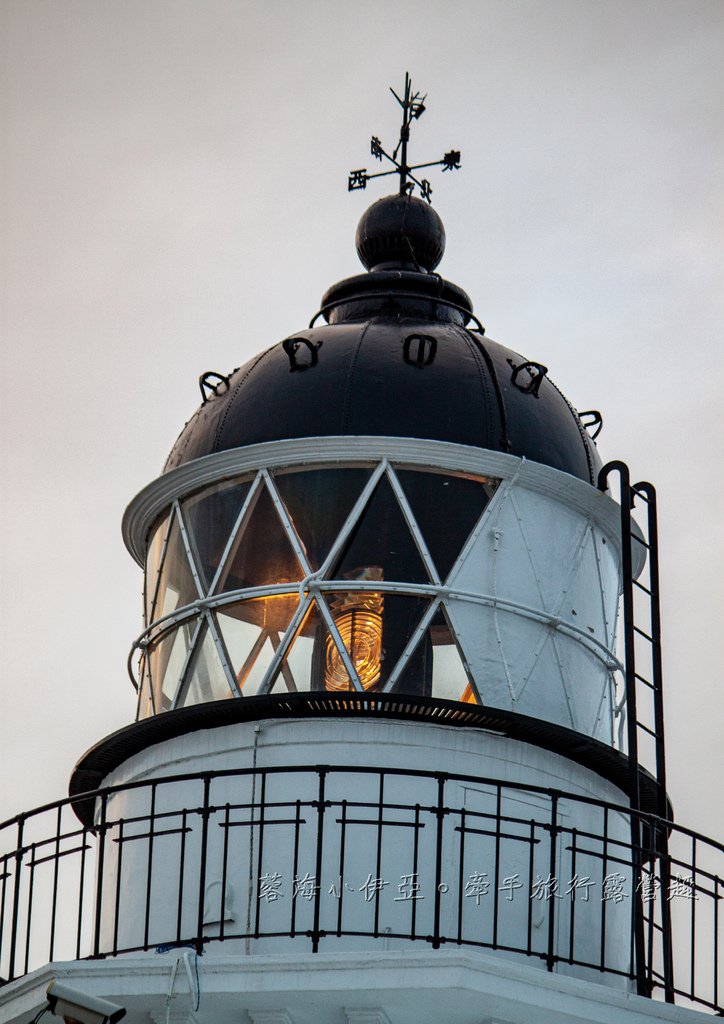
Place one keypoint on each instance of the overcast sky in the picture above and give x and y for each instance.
(174, 200)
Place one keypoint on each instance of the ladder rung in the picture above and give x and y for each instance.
(649, 731)
(641, 587)
(644, 681)
(641, 542)
(641, 633)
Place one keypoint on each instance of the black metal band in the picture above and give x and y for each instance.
(435, 300)
(101, 759)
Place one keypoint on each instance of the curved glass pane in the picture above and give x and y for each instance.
(318, 502)
(205, 678)
(401, 619)
(446, 509)
(210, 517)
(303, 667)
(262, 553)
(166, 660)
(154, 553)
(382, 540)
(451, 679)
(176, 585)
(296, 673)
(252, 632)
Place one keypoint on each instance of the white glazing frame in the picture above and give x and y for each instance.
(311, 589)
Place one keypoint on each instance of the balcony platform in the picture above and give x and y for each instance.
(453, 986)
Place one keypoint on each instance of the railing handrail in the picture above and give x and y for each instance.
(646, 817)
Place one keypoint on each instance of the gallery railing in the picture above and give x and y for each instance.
(332, 857)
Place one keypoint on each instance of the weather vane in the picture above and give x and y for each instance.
(413, 107)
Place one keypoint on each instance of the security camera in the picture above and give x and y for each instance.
(79, 1008)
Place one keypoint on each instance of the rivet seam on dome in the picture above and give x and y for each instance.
(350, 378)
(478, 344)
(232, 396)
(585, 439)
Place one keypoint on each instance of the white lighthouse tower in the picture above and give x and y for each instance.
(398, 756)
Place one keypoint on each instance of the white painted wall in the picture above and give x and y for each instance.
(361, 743)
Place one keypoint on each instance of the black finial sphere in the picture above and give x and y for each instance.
(400, 233)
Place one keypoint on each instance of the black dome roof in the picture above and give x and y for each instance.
(396, 359)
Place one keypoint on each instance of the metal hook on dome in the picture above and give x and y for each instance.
(210, 382)
(536, 373)
(425, 350)
(593, 422)
(291, 346)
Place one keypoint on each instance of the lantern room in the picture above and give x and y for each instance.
(388, 503)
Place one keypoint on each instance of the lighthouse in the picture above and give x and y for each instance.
(399, 751)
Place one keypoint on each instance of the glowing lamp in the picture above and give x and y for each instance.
(358, 618)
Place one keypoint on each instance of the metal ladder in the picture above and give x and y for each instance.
(637, 683)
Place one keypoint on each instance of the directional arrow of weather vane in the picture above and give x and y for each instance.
(413, 107)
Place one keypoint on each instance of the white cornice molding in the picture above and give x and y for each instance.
(484, 984)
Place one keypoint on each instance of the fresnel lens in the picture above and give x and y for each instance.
(358, 618)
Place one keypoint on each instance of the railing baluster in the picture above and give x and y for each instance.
(498, 806)
(149, 865)
(461, 876)
(205, 813)
(224, 871)
(81, 892)
(260, 852)
(119, 866)
(552, 871)
(662, 843)
(181, 873)
(295, 866)
(415, 872)
(604, 866)
(29, 918)
(572, 922)
(531, 857)
(715, 944)
(693, 918)
(440, 815)
(378, 858)
(56, 869)
(318, 872)
(342, 852)
(16, 897)
(650, 922)
(637, 907)
(102, 827)
(4, 875)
